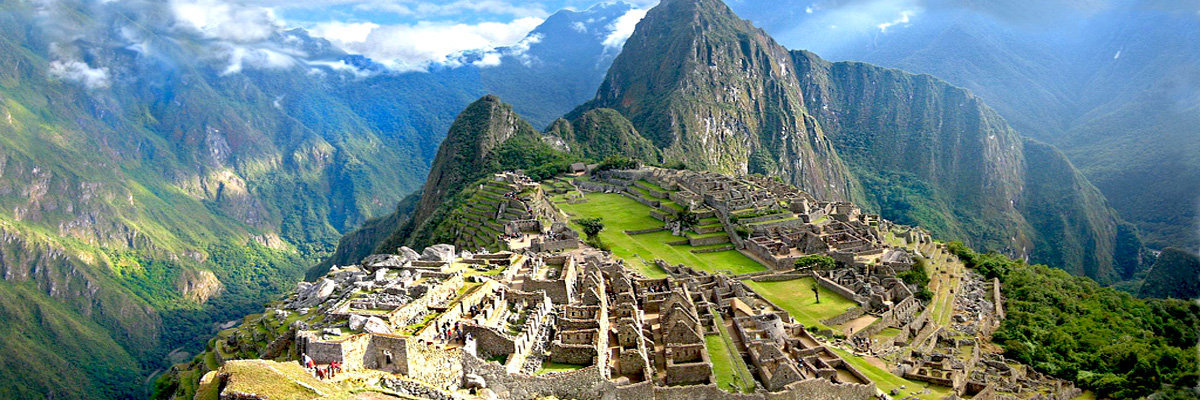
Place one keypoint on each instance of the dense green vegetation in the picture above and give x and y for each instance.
(1105, 340)
(918, 275)
(816, 261)
(1175, 274)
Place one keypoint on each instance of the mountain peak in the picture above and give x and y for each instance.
(713, 90)
(483, 125)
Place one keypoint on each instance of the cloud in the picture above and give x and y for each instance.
(902, 19)
(427, 9)
(344, 32)
(490, 59)
(223, 20)
(255, 57)
(415, 47)
(623, 28)
(79, 72)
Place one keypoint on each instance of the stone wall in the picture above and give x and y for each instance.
(836, 288)
(710, 240)
(416, 310)
(386, 353)
(583, 384)
(490, 343)
(440, 367)
(902, 312)
(540, 245)
(845, 317)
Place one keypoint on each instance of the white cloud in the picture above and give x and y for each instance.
(415, 47)
(521, 49)
(579, 27)
(223, 20)
(623, 28)
(344, 32)
(79, 72)
(902, 19)
(255, 57)
(457, 7)
(491, 59)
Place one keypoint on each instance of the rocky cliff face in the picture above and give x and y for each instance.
(712, 90)
(933, 154)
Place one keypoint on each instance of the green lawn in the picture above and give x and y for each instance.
(796, 297)
(653, 186)
(730, 370)
(552, 367)
(621, 214)
(888, 333)
(885, 381)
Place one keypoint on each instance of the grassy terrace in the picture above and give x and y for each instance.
(885, 381)
(280, 381)
(553, 367)
(731, 371)
(621, 214)
(796, 297)
(945, 275)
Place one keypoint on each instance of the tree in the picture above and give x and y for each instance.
(687, 219)
(816, 292)
(815, 261)
(591, 226)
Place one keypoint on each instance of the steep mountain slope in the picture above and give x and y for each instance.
(934, 154)
(712, 90)
(1111, 84)
(481, 127)
(602, 132)
(156, 182)
(1176, 274)
(471, 151)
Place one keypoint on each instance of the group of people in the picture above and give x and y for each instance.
(451, 333)
(322, 372)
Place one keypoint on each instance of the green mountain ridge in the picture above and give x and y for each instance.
(175, 194)
(1175, 274)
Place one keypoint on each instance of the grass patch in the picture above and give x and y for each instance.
(731, 371)
(796, 297)
(885, 381)
(888, 333)
(278, 381)
(621, 213)
(553, 367)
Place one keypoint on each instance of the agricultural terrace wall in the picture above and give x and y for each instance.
(845, 317)
(836, 288)
(589, 383)
(415, 311)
